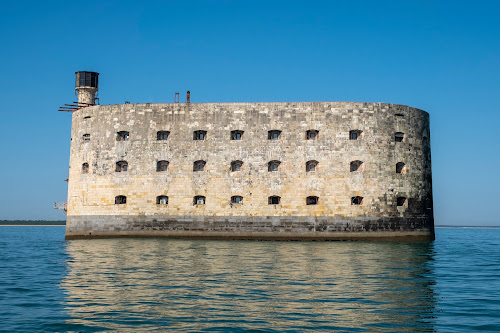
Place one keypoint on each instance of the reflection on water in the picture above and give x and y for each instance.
(143, 285)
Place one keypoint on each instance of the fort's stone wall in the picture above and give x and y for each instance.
(91, 197)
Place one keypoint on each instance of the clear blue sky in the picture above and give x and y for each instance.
(440, 56)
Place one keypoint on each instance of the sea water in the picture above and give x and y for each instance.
(48, 284)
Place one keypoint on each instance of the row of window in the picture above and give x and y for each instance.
(272, 200)
(238, 135)
(122, 166)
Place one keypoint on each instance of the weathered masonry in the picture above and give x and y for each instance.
(294, 171)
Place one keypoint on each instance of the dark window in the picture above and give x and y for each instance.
(311, 166)
(86, 117)
(161, 166)
(401, 201)
(199, 165)
(356, 166)
(274, 200)
(199, 200)
(162, 200)
(162, 135)
(121, 166)
(87, 79)
(357, 200)
(400, 167)
(400, 115)
(355, 134)
(236, 135)
(312, 200)
(199, 135)
(312, 134)
(86, 137)
(399, 136)
(273, 134)
(120, 200)
(85, 168)
(273, 166)
(236, 199)
(236, 165)
(122, 136)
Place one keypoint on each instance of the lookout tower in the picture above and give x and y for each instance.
(86, 86)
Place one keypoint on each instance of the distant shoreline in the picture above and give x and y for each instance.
(40, 223)
(469, 226)
(20, 223)
(32, 225)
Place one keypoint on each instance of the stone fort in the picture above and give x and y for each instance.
(281, 171)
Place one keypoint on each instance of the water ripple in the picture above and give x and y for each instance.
(145, 285)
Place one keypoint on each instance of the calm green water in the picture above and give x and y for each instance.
(48, 284)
